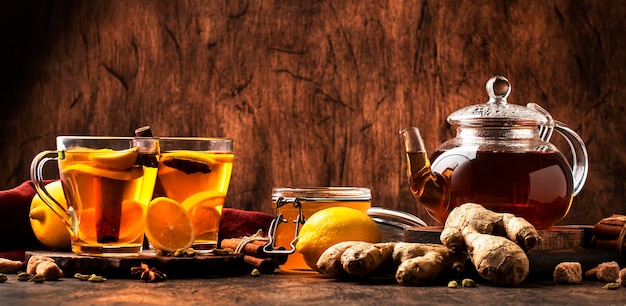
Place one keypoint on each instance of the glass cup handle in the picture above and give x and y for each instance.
(269, 247)
(36, 177)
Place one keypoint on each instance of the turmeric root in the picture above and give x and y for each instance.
(495, 242)
(415, 263)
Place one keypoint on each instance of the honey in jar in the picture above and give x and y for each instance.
(309, 201)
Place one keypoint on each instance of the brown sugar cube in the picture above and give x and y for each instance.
(568, 273)
(605, 272)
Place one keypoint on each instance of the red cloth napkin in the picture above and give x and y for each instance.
(16, 235)
(15, 230)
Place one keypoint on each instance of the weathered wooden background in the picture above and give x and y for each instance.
(313, 92)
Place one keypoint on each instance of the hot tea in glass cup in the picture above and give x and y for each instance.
(108, 183)
(196, 172)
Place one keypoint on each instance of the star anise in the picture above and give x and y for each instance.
(147, 274)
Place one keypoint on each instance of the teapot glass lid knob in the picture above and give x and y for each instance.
(498, 89)
(497, 112)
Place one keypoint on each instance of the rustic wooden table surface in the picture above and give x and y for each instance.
(300, 289)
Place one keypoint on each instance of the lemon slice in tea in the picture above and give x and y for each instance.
(206, 198)
(205, 210)
(168, 227)
(132, 222)
(116, 160)
(122, 175)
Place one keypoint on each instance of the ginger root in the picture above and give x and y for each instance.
(10, 266)
(415, 263)
(44, 266)
(495, 242)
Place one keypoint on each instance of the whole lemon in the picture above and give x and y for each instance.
(47, 226)
(330, 226)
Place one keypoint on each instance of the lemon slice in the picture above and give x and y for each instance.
(168, 227)
(205, 210)
(127, 175)
(208, 198)
(132, 223)
(223, 157)
(116, 160)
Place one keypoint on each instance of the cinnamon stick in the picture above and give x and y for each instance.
(143, 131)
(264, 265)
(606, 243)
(254, 248)
(602, 230)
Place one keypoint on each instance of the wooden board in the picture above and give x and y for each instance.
(557, 238)
(174, 267)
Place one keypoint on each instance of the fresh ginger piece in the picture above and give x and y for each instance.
(495, 242)
(49, 270)
(415, 263)
(621, 278)
(10, 266)
(329, 264)
(422, 263)
(44, 266)
(364, 259)
(34, 261)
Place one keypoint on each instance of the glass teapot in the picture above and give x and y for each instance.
(500, 158)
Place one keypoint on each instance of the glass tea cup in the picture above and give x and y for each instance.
(108, 183)
(196, 172)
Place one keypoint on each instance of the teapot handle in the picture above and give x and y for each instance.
(576, 144)
(580, 159)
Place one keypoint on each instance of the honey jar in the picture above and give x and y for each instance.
(293, 206)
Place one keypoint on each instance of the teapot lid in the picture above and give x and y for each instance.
(497, 112)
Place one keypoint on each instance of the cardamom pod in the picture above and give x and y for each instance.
(3, 278)
(82, 277)
(255, 272)
(38, 279)
(23, 276)
(611, 286)
(96, 278)
(453, 284)
(468, 282)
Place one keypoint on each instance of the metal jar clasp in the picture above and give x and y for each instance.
(270, 248)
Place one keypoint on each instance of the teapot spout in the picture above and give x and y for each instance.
(428, 187)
